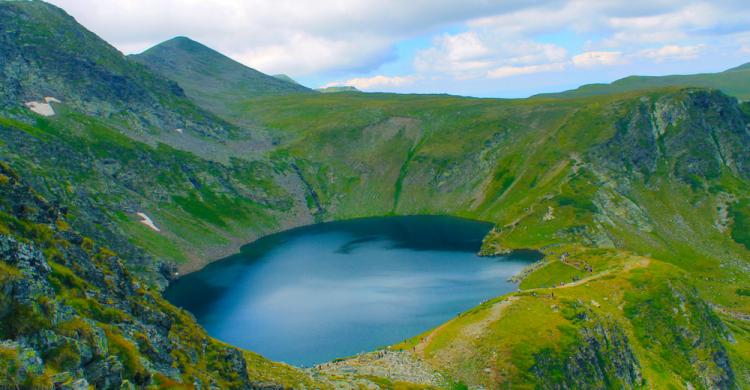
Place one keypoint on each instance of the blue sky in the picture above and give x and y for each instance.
(508, 48)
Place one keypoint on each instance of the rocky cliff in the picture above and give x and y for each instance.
(72, 315)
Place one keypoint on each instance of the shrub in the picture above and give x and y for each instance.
(64, 357)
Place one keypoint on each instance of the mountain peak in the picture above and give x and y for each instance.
(46, 53)
(286, 78)
(181, 42)
(210, 78)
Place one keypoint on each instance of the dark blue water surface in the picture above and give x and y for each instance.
(316, 293)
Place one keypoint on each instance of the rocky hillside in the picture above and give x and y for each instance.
(46, 53)
(73, 316)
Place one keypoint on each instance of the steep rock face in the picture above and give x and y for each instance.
(691, 134)
(72, 315)
(46, 53)
(601, 357)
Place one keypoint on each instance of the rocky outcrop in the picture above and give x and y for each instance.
(72, 315)
(395, 366)
(692, 134)
(601, 357)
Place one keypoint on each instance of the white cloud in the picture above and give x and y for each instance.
(672, 52)
(379, 81)
(508, 71)
(304, 54)
(486, 40)
(473, 54)
(597, 58)
(690, 16)
(280, 36)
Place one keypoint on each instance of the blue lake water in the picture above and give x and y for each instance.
(312, 294)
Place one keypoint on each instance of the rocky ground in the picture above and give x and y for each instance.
(374, 368)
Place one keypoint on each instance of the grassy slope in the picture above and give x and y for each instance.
(200, 206)
(734, 82)
(511, 162)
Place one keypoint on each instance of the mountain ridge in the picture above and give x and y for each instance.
(732, 81)
(40, 43)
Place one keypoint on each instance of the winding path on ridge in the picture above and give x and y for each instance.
(496, 311)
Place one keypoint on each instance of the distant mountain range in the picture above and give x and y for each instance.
(344, 88)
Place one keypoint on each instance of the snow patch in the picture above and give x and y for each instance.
(147, 221)
(178, 130)
(550, 214)
(44, 107)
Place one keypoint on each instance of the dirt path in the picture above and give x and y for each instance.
(640, 263)
(471, 331)
(419, 348)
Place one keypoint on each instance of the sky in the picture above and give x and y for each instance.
(486, 48)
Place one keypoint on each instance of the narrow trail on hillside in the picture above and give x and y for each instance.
(640, 263)
(471, 331)
(476, 329)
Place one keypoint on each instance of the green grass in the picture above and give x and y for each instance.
(552, 274)
(552, 174)
(741, 227)
(148, 239)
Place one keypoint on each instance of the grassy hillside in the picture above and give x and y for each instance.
(630, 193)
(733, 82)
(552, 174)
